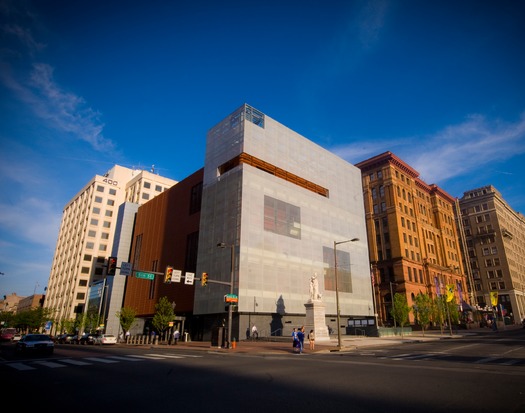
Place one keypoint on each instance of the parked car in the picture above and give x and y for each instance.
(105, 339)
(35, 343)
(65, 338)
(7, 334)
(17, 337)
(87, 338)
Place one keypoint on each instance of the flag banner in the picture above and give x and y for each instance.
(438, 289)
(450, 292)
(494, 298)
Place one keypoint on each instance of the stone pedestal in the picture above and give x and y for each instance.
(316, 320)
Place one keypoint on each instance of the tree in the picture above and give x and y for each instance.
(401, 310)
(163, 316)
(33, 319)
(126, 317)
(423, 308)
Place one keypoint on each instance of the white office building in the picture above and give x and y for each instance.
(86, 237)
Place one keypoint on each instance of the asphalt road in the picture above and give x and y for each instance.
(483, 373)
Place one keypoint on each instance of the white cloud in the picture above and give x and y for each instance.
(452, 152)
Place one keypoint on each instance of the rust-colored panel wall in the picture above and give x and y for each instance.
(164, 224)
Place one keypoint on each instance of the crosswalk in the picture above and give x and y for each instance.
(87, 361)
(502, 361)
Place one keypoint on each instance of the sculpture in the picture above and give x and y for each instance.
(314, 288)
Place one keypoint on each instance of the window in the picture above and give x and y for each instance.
(147, 185)
(90, 245)
(82, 283)
(94, 221)
(383, 206)
(100, 188)
(98, 199)
(374, 193)
(104, 235)
(196, 198)
(109, 213)
(145, 195)
(88, 257)
(282, 218)
(102, 247)
(372, 176)
(379, 174)
(113, 191)
(111, 202)
(501, 285)
(158, 188)
(85, 270)
(96, 211)
(92, 233)
(81, 296)
(107, 224)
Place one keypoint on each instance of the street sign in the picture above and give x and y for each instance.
(145, 275)
(189, 278)
(125, 268)
(176, 276)
(231, 298)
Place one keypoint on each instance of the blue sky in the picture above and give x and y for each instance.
(85, 85)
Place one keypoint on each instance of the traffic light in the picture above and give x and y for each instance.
(112, 265)
(168, 274)
(204, 279)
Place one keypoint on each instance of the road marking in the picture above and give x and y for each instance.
(145, 356)
(20, 366)
(169, 356)
(50, 364)
(486, 360)
(75, 362)
(100, 360)
(123, 358)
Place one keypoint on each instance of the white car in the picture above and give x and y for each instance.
(105, 339)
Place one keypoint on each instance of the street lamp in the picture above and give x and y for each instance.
(230, 308)
(339, 346)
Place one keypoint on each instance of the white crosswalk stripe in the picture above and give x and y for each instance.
(87, 361)
(101, 360)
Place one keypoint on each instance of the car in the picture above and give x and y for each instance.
(7, 334)
(17, 337)
(87, 338)
(65, 338)
(35, 343)
(105, 339)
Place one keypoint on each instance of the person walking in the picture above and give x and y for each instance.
(295, 341)
(176, 336)
(311, 339)
(255, 333)
(300, 336)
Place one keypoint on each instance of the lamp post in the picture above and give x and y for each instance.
(339, 346)
(230, 309)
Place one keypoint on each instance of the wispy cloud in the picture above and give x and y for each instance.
(31, 81)
(452, 152)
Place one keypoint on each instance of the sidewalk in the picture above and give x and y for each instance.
(349, 343)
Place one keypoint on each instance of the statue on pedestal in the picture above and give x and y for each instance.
(314, 288)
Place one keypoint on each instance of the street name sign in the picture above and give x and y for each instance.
(145, 275)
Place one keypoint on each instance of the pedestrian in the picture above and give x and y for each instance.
(255, 333)
(121, 337)
(295, 341)
(300, 336)
(311, 338)
(176, 336)
(128, 334)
